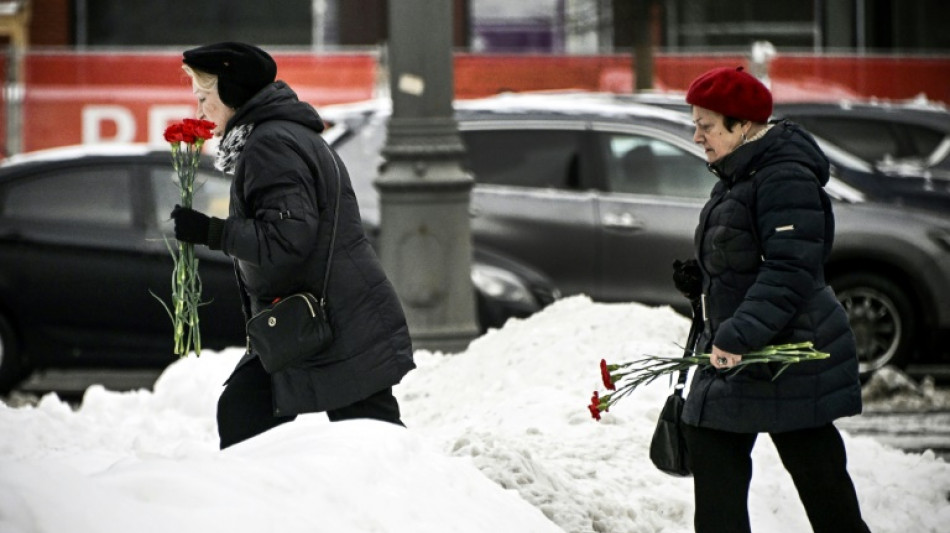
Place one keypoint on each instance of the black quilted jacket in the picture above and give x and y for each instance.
(278, 233)
(762, 241)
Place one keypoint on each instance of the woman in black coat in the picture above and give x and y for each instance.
(278, 232)
(761, 244)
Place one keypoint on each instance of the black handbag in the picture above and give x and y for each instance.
(289, 330)
(296, 326)
(668, 446)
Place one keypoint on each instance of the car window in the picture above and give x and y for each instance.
(524, 158)
(940, 158)
(925, 140)
(78, 196)
(212, 194)
(875, 140)
(642, 165)
(871, 140)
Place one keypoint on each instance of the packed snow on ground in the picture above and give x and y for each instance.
(499, 439)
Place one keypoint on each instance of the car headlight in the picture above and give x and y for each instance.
(501, 284)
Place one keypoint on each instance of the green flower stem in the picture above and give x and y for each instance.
(186, 283)
(626, 377)
(186, 295)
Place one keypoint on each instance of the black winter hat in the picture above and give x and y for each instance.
(242, 69)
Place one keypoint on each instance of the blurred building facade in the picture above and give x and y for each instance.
(95, 71)
(503, 26)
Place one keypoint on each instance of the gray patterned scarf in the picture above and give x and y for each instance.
(231, 147)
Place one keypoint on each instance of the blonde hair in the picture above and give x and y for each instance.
(201, 79)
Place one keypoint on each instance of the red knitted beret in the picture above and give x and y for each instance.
(733, 93)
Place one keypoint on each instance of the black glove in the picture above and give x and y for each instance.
(198, 228)
(688, 278)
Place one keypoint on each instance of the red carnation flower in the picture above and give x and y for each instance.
(594, 412)
(173, 133)
(605, 375)
(201, 129)
(598, 404)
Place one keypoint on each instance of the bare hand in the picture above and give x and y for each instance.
(722, 359)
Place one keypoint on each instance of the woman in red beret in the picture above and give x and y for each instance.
(291, 201)
(761, 244)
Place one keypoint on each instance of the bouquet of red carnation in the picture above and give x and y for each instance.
(624, 378)
(186, 139)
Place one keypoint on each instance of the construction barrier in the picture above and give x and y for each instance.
(99, 97)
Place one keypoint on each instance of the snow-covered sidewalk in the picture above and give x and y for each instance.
(499, 440)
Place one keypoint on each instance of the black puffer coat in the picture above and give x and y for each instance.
(761, 243)
(278, 233)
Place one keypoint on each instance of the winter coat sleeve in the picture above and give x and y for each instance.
(282, 219)
(789, 219)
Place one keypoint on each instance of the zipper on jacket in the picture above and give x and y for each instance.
(305, 295)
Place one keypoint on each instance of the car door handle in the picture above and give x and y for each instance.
(625, 221)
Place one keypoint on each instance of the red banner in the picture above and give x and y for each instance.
(74, 98)
(123, 97)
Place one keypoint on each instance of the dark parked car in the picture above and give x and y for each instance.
(82, 244)
(879, 131)
(893, 152)
(602, 196)
(901, 150)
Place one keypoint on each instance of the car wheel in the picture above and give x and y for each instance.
(882, 318)
(9, 358)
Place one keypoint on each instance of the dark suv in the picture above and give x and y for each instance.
(602, 196)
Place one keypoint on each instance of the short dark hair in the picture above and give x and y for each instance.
(730, 122)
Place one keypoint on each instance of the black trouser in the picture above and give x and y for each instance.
(815, 458)
(246, 407)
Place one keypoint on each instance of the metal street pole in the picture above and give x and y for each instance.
(15, 24)
(425, 234)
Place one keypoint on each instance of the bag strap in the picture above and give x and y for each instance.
(694, 329)
(336, 218)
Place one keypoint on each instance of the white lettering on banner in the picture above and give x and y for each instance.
(159, 117)
(93, 116)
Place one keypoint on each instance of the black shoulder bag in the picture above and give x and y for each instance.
(668, 446)
(295, 326)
